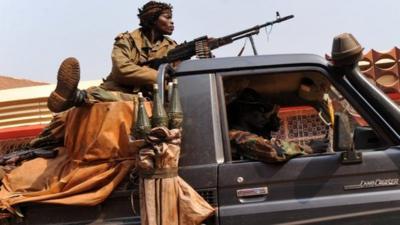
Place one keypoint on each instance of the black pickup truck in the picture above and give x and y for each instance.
(356, 181)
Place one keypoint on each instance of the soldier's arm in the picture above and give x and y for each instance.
(256, 147)
(125, 59)
(290, 148)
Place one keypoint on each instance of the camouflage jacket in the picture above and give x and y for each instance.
(129, 51)
(255, 147)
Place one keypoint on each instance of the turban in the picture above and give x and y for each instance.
(150, 12)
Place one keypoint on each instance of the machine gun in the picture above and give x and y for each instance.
(202, 46)
(16, 157)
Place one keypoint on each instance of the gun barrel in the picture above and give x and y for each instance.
(283, 19)
(252, 31)
(246, 35)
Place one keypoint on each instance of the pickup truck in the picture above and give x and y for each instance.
(353, 182)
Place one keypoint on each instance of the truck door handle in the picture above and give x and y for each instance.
(252, 194)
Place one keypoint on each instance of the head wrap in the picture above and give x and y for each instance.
(150, 12)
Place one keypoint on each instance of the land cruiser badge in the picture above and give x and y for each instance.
(373, 184)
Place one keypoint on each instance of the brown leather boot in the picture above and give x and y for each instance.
(66, 92)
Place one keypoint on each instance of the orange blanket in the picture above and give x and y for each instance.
(95, 159)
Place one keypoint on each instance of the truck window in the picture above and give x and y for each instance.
(304, 104)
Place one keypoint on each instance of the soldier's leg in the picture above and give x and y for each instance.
(98, 94)
(52, 135)
(66, 94)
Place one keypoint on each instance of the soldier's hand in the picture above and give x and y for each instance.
(175, 64)
(155, 63)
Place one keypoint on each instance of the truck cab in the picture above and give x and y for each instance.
(356, 180)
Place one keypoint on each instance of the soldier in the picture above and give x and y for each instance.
(251, 121)
(128, 75)
(130, 52)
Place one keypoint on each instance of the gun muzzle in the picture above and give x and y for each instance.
(284, 18)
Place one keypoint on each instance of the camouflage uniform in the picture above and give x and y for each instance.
(129, 52)
(127, 75)
(126, 78)
(252, 146)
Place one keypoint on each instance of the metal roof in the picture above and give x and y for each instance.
(7, 82)
(245, 62)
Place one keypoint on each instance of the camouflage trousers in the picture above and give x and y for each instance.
(98, 94)
(53, 134)
(254, 147)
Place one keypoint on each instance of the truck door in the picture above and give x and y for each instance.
(315, 188)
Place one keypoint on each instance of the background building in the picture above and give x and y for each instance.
(23, 110)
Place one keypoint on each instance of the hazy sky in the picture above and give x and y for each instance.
(36, 35)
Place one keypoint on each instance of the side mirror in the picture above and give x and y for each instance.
(342, 140)
(342, 137)
(366, 138)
